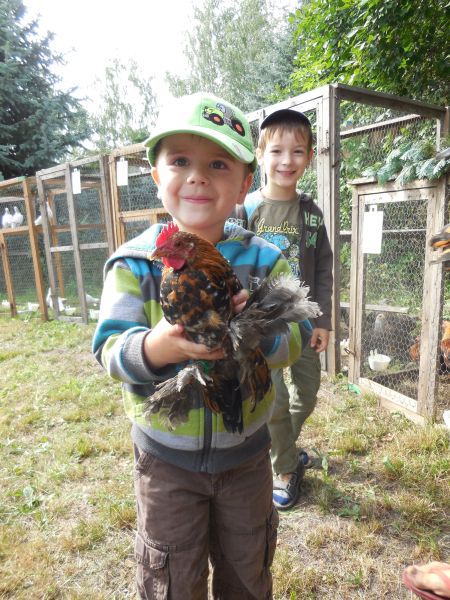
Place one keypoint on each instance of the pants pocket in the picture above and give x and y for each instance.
(152, 574)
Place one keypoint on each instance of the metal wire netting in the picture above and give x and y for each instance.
(17, 257)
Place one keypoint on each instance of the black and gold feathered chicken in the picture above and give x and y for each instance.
(441, 241)
(197, 286)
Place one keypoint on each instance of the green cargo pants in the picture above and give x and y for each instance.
(292, 407)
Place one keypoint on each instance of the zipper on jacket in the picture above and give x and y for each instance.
(207, 439)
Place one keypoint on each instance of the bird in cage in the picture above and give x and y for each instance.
(38, 220)
(441, 242)
(49, 300)
(444, 349)
(7, 219)
(16, 218)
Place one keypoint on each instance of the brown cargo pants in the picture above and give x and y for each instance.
(184, 518)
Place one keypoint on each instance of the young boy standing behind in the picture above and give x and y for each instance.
(202, 491)
(291, 220)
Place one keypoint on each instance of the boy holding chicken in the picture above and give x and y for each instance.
(202, 490)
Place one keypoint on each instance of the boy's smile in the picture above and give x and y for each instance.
(199, 183)
(285, 159)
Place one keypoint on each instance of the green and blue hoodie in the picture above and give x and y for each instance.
(130, 307)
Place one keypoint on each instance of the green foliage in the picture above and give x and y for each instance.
(127, 107)
(240, 50)
(39, 123)
(385, 45)
(409, 160)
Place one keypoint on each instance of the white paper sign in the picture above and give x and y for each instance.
(372, 230)
(122, 172)
(76, 181)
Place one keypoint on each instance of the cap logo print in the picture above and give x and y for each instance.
(222, 114)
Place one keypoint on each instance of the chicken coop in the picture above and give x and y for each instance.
(76, 222)
(400, 302)
(23, 273)
(359, 132)
(134, 195)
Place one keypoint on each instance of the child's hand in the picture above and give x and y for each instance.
(319, 339)
(239, 301)
(166, 344)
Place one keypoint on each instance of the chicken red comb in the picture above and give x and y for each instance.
(166, 232)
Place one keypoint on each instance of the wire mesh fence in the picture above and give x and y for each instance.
(78, 235)
(23, 270)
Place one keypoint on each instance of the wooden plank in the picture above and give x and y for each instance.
(432, 308)
(356, 273)
(128, 150)
(308, 98)
(57, 249)
(381, 99)
(142, 214)
(118, 229)
(380, 308)
(47, 241)
(76, 246)
(347, 133)
(94, 246)
(105, 203)
(14, 180)
(8, 276)
(392, 401)
(37, 267)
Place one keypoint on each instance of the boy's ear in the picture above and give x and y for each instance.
(259, 156)
(246, 184)
(310, 156)
(155, 175)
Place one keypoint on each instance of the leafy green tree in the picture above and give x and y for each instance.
(39, 124)
(127, 107)
(385, 45)
(239, 50)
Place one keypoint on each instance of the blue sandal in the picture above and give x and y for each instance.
(285, 495)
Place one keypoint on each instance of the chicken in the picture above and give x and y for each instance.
(16, 218)
(444, 356)
(49, 300)
(441, 241)
(38, 220)
(196, 290)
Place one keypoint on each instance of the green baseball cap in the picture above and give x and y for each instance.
(207, 116)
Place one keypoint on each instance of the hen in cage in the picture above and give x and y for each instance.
(392, 334)
(444, 349)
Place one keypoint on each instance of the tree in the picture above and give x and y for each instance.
(239, 50)
(39, 124)
(127, 107)
(384, 45)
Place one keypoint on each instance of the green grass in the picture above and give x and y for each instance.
(67, 512)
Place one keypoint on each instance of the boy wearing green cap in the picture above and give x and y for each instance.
(202, 492)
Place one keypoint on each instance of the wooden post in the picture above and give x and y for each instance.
(48, 243)
(38, 277)
(432, 307)
(328, 149)
(8, 276)
(76, 245)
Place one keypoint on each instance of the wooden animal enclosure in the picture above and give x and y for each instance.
(396, 301)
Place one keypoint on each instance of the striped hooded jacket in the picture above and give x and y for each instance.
(130, 307)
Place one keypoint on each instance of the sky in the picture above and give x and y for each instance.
(90, 32)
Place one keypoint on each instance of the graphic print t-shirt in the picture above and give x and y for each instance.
(277, 222)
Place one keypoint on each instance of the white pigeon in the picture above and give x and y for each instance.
(90, 300)
(61, 307)
(38, 221)
(7, 219)
(16, 218)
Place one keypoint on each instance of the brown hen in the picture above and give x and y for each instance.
(196, 290)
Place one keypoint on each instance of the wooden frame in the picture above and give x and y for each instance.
(29, 230)
(326, 101)
(61, 175)
(367, 191)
